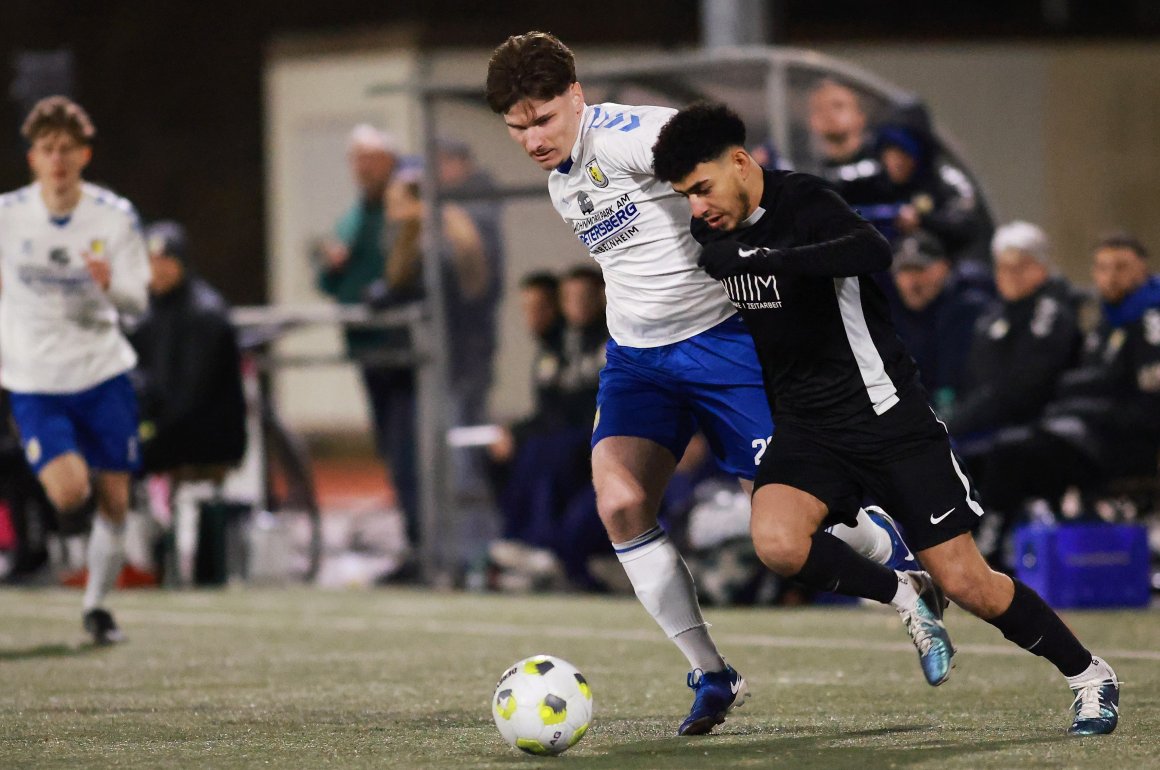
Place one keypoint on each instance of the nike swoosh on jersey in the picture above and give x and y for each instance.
(936, 519)
(747, 252)
(735, 686)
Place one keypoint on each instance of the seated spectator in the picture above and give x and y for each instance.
(838, 127)
(540, 305)
(916, 190)
(188, 372)
(1104, 421)
(1021, 345)
(584, 339)
(933, 314)
(547, 502)
(189, 384)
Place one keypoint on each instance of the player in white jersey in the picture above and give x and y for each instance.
(71, 260)
(680, 359)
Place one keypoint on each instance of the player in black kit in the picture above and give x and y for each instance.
(852, 419)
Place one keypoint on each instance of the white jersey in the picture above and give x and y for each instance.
(59, 331)
(637, 228)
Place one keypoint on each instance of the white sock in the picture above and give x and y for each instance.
(1098, 670)
(867, 538)
(664, 586)
(106, 554)
(906, 597)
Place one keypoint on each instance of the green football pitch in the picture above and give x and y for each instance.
(400, 679)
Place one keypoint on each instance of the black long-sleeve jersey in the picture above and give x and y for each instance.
(828, 350)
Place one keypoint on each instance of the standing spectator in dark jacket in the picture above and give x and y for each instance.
(188, 371)
(1021, 345)
(933, 315)
(1105, 419)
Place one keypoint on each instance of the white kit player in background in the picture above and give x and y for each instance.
(72, 259)
(680, 359)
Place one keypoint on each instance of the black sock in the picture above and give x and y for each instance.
(1035, 627)
(834, 566)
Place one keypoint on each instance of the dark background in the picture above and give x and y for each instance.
(174, 87)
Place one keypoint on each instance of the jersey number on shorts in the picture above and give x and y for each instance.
(760, 444)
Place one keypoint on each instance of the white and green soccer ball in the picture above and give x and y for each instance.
(542, 705)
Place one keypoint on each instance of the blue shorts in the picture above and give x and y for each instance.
(710, 382)
(100, 423)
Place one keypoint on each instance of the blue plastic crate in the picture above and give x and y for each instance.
(1085, 565)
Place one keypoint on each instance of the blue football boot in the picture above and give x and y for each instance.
(716, 693)
(901, 559)
(925, 625)
(1096, 705)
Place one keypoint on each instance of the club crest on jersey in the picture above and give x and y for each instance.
(586, 205)
(97, 247)
(595, 174)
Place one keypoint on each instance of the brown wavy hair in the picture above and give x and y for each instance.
(535, 65)
(58, 113)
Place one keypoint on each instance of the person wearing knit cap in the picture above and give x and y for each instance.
(188, 374)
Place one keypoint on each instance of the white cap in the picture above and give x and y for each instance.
(364, 135)
(1025, 238)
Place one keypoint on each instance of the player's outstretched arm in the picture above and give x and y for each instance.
(835, 241)
(859, 252)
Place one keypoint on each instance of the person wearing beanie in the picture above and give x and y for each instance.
(934, 314)
(188, 374)
(918, 189)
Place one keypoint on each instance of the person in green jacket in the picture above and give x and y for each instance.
(349, 262)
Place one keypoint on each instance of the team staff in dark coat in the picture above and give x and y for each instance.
(1021, 345)
(188, 370)
(851, 418)
(1105, 419)
(934, 313)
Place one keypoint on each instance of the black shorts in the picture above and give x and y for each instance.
(902, 460)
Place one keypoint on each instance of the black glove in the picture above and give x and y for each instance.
(724, 259)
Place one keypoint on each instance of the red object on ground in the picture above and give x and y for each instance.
(130, 577)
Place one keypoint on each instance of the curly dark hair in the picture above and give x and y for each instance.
(535, 65)
(694, 135)
(58, 113)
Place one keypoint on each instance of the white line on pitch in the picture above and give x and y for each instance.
(390, 622)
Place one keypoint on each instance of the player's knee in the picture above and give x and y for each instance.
(780, 549)
(967, 585)
(70, 498)
(625, 513)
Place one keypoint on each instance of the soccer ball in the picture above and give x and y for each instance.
(542, 705)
